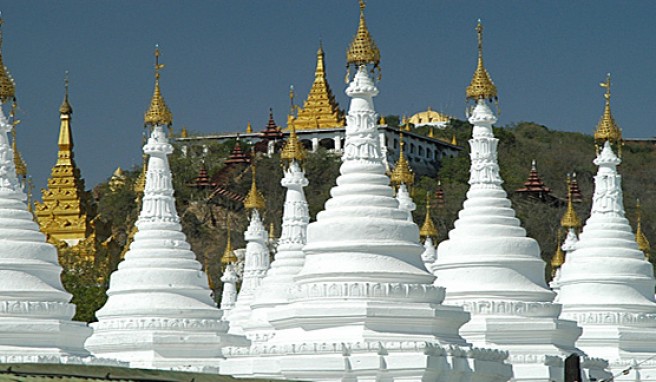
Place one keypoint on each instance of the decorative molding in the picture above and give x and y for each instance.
(613, 318)
(406, 292)
(37, 308)
(509, 308)
(158, 323)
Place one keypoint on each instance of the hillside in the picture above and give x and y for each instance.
(557, 154)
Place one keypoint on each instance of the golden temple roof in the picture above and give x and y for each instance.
(641, 239)
(607, 129)
(320, 110)
(570, 219)
(428, 228)
(293, 149)
(254, 200)
(158, 113)
(229, 256)
(363, 49)
(402, 173)
(481, 86)
(7, 85)
(429, 117)
(558, 258)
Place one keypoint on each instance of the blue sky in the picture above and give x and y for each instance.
(227, 62)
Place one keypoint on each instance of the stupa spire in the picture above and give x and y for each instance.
(428, 228)
(229, 256)
(402, 173)
(159, 297)
(570, 219)
(363, 49)
(320, 110)
(607, 129)
(254, 200)
(481, 86)
(641, 238)
(158, 113)
(229, 294)
(293, 149)
(558, 258)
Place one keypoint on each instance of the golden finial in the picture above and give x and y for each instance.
(607, 129)
(249, 128)
(481, 86)
(402, 173)
(558, 258)
(229, 256)
(454, 141)
(65, 107)
(641, 239)
(431, 133)
(382, 121)
(363, 49)
(254, 200)
(406, 123)
(570, 219)
(428, 228)
(293, 149)
(184, 133)
(158, 113)
(7, 85)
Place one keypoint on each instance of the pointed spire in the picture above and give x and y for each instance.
(607, 129)
(229, 256)
(21, 167)
(272, 232)
(641, 239)
(481, 86)
(293, 149)
(320, 109)
(558, 258)
(454, 141)
(117, 180)
(7, 85)
(254, 200)
(534, 186)
(431, 133)
(158, 113)
(363, 49)
(439, 194)
(570, 219)
(65, 107)
(428, 228)
(249, 128)
(402, 173)
(184, 133)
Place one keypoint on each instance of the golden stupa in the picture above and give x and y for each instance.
(402, 173)
(64, 215)
(320, 110)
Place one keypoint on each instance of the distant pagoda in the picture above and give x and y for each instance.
(320, 110)
(64, 215)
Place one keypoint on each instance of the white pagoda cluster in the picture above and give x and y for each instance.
(363, 306)
(606, 284)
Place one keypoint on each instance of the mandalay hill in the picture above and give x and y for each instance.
(370, 288)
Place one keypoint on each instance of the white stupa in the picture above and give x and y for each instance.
(363, 307)
(489, 266)
(289, 257)
(159, 312)
(256, 260)
(35, 311)
(606, 284)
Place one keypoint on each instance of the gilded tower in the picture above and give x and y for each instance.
(64, 214)
(320, 110)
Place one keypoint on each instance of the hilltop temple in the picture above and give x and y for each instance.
(66, 211)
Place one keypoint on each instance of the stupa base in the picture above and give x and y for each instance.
(367, 361)
(180, 349)
(35, 337)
